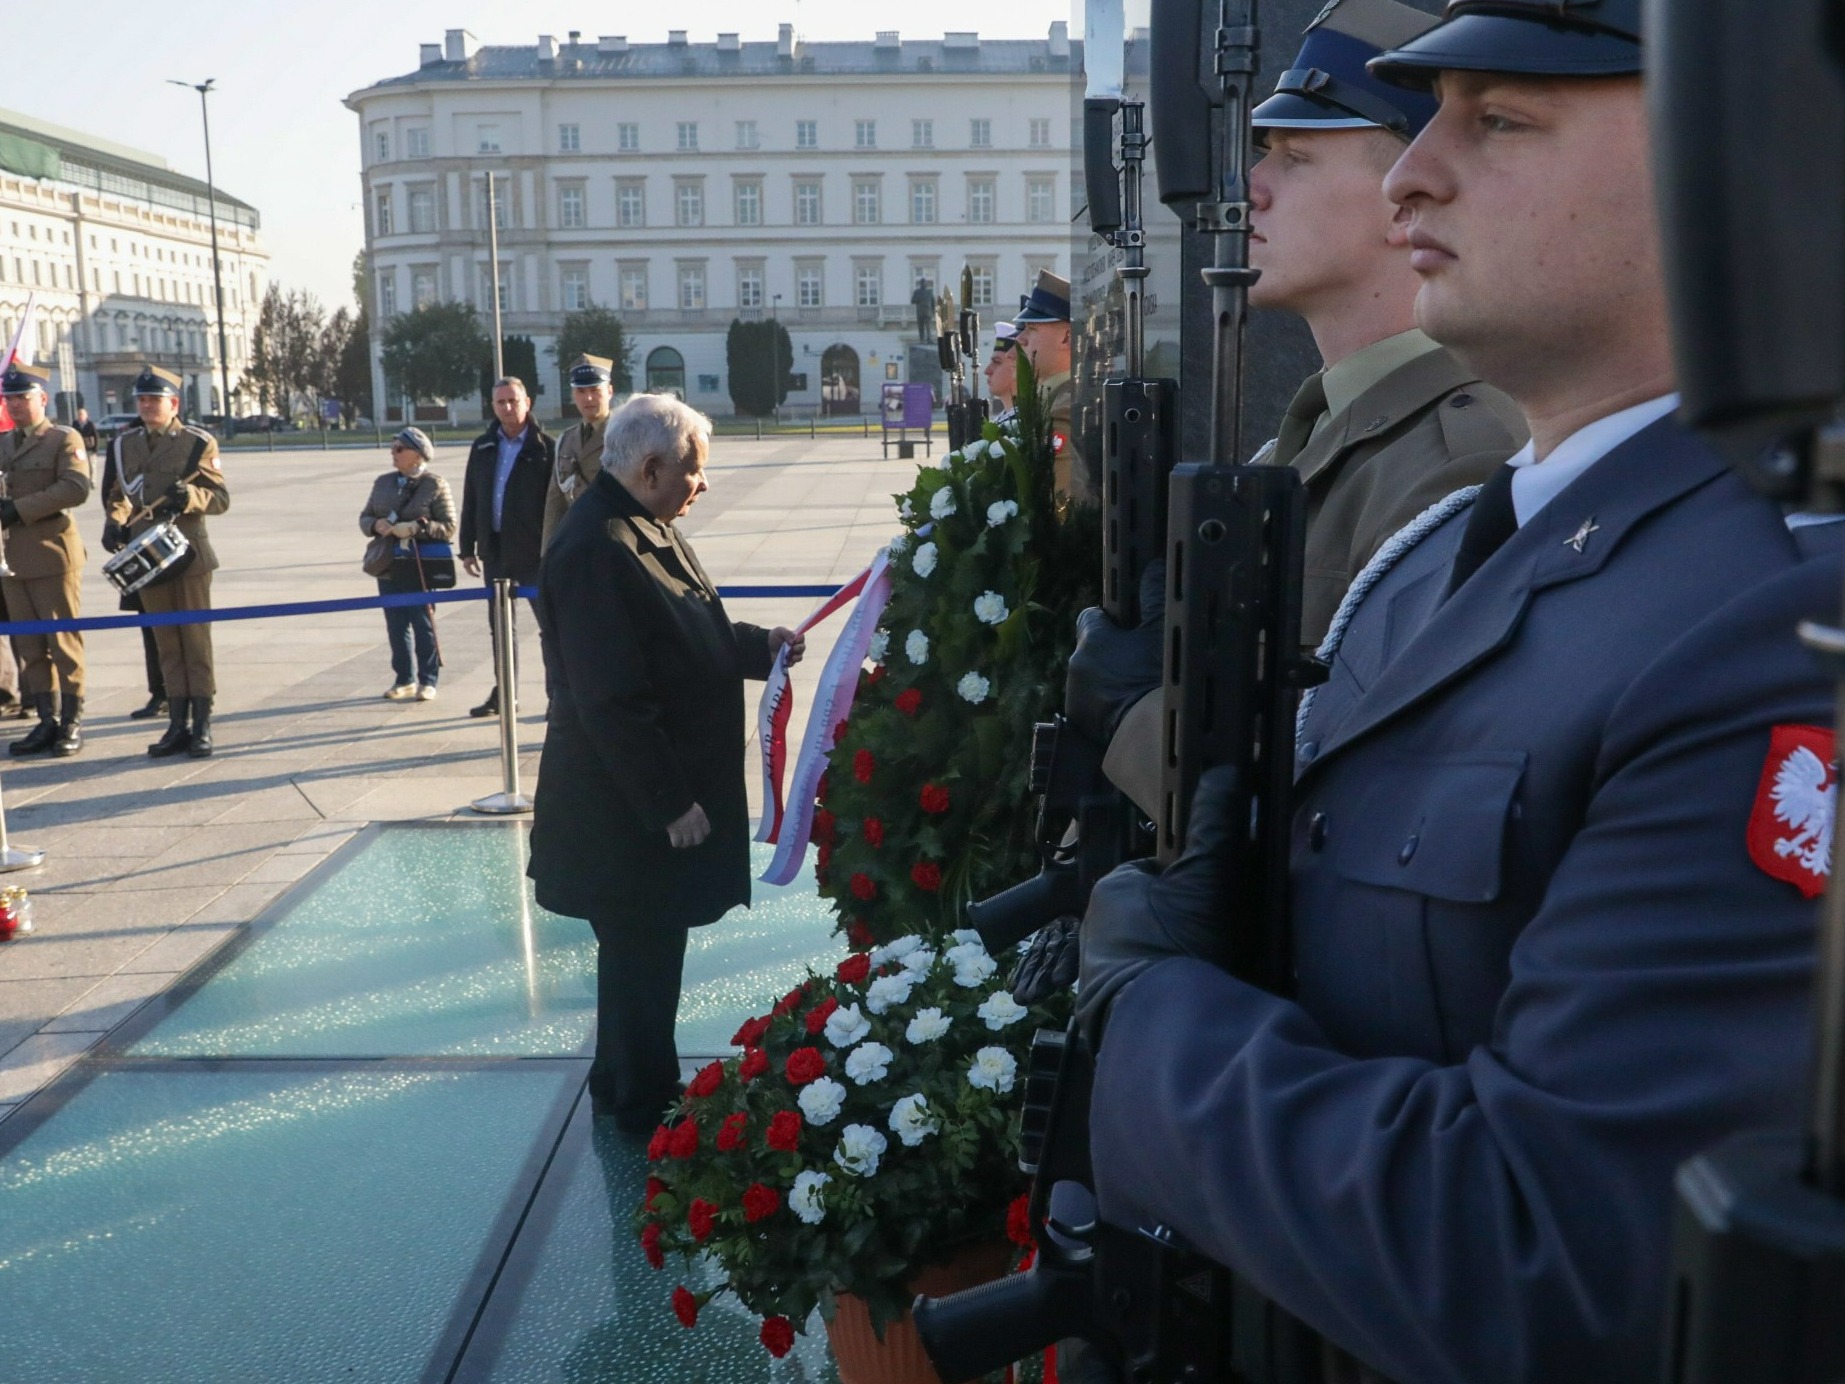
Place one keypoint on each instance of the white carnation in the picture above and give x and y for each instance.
(973, 688)
(906, 511)
(990, 608)
(924, 561)
(888, 990)
(846, 1025)
(1000, 511)
(912, 1121)
(975, 449)
(916, 965)
(964, 935)
(868, 1062)
(1001, 1010)
(899, 545)
(804, 1198)
(928, 1025)
(860, 1148)
(973, 971)
(895, 950)
(942, 503)
(916, 647)
(991, 1070)
(879, 646)
(821, 1100)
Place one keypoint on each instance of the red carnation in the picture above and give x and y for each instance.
(685, 1307)
(874, 832)
(823, 856)
(759, 1201)
(683, 1142)
(650, 1246)
(751, 1033)
(791, 1001)
(839, 732)
(909, 700)
(784, 1134)
(730, 1133)
(926, 875)
(755, 1062)
(657, 1146)
(859, 935)
(820, 1013)
(803, 1065)
(934, 798)
(854, 970)
(864, 887)
(1018, 1221)
(654, 1188)
(876, 675)
(701, 1218)
(863, 766)
(820, 789)
(707, 1081)
(823, 825)
(777, 1336)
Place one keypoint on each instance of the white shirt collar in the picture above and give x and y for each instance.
(1536, 483)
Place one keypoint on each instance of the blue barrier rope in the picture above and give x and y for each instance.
(155, 619)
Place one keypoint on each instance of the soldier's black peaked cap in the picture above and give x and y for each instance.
(154, 380)
(1533, 38)
(1328, 86)
(23, 379)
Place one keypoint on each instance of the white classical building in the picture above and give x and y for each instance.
(687, 185)
(117, 248)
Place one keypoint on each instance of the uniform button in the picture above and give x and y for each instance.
(1316, 831)
(1409, 850)
(1460, 401)
(1308, 751)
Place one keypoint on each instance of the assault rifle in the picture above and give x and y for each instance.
(958, 349)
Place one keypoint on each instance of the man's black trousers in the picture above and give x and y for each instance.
(639, 966)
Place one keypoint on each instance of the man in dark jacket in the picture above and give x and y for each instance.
(642, 824)
(503, 502)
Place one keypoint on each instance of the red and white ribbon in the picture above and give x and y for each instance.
(788, 820)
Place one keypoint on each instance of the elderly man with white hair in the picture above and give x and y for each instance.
(642, 826)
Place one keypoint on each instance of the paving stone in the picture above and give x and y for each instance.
(40, 1060)
(111, 1002)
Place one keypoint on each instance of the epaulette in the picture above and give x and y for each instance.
(1470, 423)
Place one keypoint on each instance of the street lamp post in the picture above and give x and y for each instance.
(204, 89)
(775, 342)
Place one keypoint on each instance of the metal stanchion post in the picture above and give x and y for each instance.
(16, 857)
(509, 800)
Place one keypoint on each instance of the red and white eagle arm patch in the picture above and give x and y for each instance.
(1790, 826)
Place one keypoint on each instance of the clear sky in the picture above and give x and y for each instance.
(282, 141)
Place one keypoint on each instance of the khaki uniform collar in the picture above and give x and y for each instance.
(172, 429)
(1412, 386)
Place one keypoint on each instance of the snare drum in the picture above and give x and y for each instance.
(154, 552)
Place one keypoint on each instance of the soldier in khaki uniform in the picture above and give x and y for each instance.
(1043, 336)
(579, 450)
(46, 473)
(165, 469)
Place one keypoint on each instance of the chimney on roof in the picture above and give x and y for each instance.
(429, 53)
(547, 48)
(1060, 38)
(458, 45)
(784, 41)
(575, 36)
(612, 43)
(961, 38)
(887, 39)
(728, 43)
(676, 37)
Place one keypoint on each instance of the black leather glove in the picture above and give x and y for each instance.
(177, 498)
(1111, 667)
(1139, 917)
(1048, 967)
(9, 514)
(115, 537)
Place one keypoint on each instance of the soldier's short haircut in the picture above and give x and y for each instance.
(511, 382)
(650, 425)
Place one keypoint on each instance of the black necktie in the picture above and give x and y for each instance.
(1304, 410)
(1492, 521)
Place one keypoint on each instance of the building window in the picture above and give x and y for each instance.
(665, 371)
(381, 146)
(422, 210)
(574, 284)
(570, 208)
(381, 219)
(1040, 199)
(983, 286)
(980, 134)
(422, 287)
(502, 212)
(749, 202)
(864, 134)
(489, 139)
(866, 207)
(634, 288)
(808, 287)
(416, 143)
(506, 289)
(980, 199)
(746, 134)
(922, 201)
(807, 134)
(628, 137)
(569, 139)
(691, 287)
(631, 203)
(1040, 132)
(807, 204)
(868, 285)
(749, 288)
(922, 134)
(688, 136)
(689, 204)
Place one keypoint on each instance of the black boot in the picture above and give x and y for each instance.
(39, 738)
(201, 747)
(177, 736)
(70, 727)
(490, 707)
(156, 706)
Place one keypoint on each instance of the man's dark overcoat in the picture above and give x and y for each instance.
(646, 719)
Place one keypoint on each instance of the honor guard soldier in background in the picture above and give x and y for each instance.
(167, 470)
(1044, 336)
(579, 450)
(1001, 371)
(1559, 813)
(46, 471)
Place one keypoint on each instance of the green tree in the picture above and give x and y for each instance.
(757, 356)
(519, 355)
(435, 351)
(594, 331)
(347, 349)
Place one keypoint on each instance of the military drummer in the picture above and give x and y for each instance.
(165, 469)
(579, 450)
(46, 471)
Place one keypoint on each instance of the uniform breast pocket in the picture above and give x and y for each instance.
(1435, 827)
